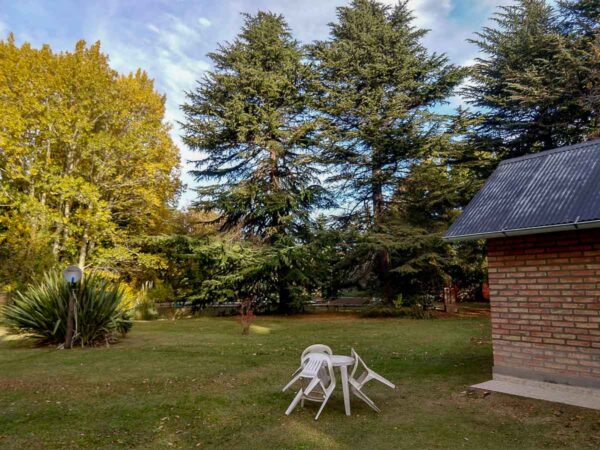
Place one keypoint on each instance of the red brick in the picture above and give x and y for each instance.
(545, 295)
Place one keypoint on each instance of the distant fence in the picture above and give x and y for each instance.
(217, 309)
(228, 308)
(188, 304)
(339, 304)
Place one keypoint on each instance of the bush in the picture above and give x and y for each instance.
(41, 310)
(414, 312)
(383, 311)
(145, 305)
(160, 292)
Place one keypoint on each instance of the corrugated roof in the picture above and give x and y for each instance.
(547, 191)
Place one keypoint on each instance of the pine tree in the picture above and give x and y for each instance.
(580, 23)
(530, 84)
(377, 87)
(580, 16)
(251, 119)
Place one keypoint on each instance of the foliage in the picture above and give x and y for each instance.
(533, 86)
(85, 162)
(89, 174)
(41, 311)
(251, 118)
(144, 307)
(379, 311)
(249, 271)
(377, 86)
(415, 311)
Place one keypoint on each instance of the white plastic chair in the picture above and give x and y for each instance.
(315, 386)
(357, 383)
(315, 348)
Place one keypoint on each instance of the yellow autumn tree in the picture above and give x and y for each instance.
(86, 160)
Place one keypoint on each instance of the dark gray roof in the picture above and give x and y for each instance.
(547, 191)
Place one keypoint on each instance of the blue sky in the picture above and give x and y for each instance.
(170, 38)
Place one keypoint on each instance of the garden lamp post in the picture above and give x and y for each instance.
(72, 275)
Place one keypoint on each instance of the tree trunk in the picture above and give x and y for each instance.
(382, 258)
(377, 202)
(83, 247)
(62, 232)
(285, 296)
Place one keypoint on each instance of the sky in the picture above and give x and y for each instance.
(170, 39)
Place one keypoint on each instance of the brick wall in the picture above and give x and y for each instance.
(545, 295)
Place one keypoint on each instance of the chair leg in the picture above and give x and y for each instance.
(313, 383)
(366, 399)
(323, 405)
(362, 377)
(294, 403)
(385, 381)
(286, 387)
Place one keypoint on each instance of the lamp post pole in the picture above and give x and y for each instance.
(70, 317)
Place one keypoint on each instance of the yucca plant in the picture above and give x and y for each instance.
(41, 311)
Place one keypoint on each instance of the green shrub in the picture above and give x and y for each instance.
(41, 310)
(383, 311)
(417, 311)
(145, 304)
(414, 312)
(160, 292)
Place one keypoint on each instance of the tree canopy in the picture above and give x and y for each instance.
(323, 167)
(250, 117)
(533, 82)
(378, 87)
(86, 159)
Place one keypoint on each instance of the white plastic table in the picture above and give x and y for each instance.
(343, 362)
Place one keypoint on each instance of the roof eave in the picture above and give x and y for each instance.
(525, 231)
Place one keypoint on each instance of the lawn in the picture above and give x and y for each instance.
(197, 383)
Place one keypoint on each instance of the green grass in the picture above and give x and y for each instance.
(198, 383)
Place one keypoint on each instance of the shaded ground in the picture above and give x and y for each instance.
(198, 383)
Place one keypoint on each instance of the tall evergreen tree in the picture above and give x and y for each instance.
(580, 16)
(580, 23)
(530, 85)
(250, 117)
(378, 85)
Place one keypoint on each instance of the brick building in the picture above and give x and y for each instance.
(540, 215)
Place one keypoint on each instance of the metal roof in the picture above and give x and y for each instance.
(548, 191)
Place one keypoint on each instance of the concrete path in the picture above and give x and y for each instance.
(560, 393)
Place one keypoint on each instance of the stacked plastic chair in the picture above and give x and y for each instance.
(316, 378)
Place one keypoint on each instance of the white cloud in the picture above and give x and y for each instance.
(172, 52)
(153, 28)
(469, 62)
(430, 13)
(203, 21)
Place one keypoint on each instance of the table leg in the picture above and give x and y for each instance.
(344, 370)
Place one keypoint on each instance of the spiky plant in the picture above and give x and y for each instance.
(41, 311)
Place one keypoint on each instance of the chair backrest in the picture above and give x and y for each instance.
(316, 348)
(316, 364)
(357, 361)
